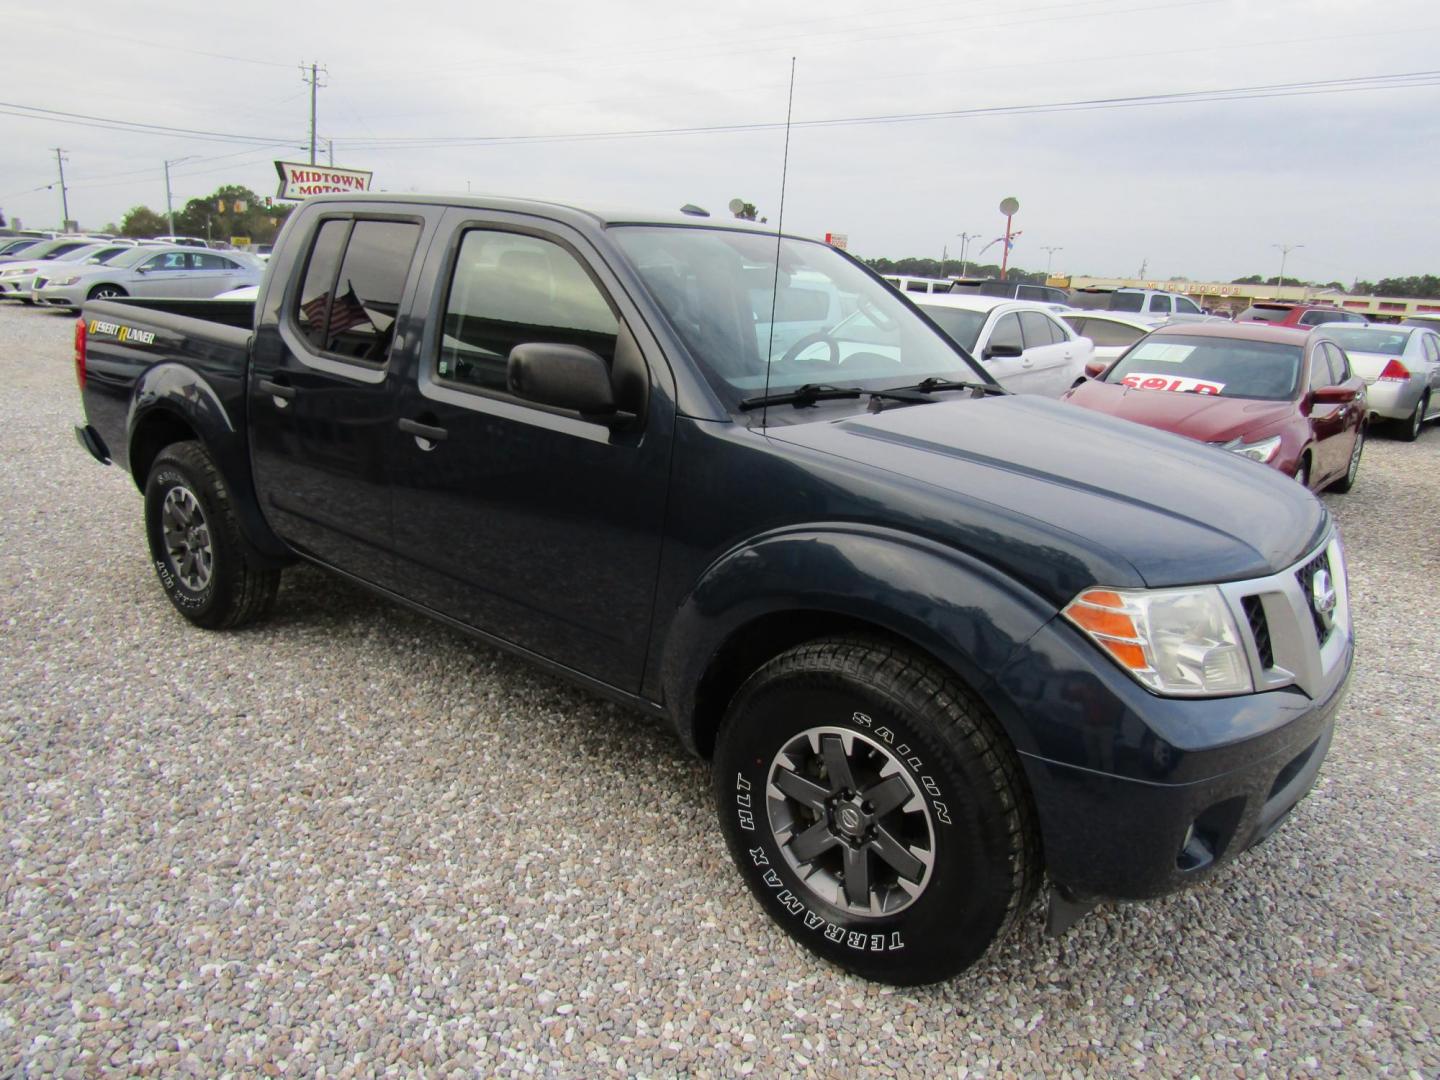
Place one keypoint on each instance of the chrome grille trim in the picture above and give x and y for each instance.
(1298, 654)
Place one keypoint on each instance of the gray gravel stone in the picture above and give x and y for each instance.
(351, 842)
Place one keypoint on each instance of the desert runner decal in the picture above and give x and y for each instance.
(129, 334)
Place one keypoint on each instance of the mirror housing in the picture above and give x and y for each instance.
(1095, 368)
(1002, 352)
(1335, 395)
(564, 377)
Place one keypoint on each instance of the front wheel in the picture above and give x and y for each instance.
(1346, 482)
(105, 292)
(875, 810)
(205, 565)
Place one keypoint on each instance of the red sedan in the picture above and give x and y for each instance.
(1281, 396)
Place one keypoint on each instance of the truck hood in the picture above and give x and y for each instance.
(1203, 417)
(1054, 493)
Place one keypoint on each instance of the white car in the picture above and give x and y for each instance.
(178, 272)
(1022, 344)
(1401, 369)
(1112, 331)
(17, 279)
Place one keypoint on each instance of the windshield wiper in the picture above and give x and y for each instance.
(802, 396)
(934, 385)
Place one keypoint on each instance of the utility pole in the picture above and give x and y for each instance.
(330, 148)
(1285, 250)
(1049, 254)
(64, 196)
(965, 238)
(944, 253)
(312, 75)
(169, 207)
(1143, 264)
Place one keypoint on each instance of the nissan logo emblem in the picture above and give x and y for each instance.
(1322, 595)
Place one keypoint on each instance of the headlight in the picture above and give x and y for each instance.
(1263, 450)
(71, 280)
(17, 272)
(1172, 641)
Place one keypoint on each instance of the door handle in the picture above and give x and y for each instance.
(422, 431)
(279, 390)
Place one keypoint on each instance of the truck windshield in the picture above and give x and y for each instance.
(833, 323)
(1224, 367)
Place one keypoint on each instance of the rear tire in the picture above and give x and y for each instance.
(205, 565)
(875, 809)
(1302, 474)
(1412, 425)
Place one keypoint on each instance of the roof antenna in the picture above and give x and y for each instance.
(779, 233)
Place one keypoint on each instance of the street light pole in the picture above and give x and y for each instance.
(1049, 254)
(1285, 250)
(965, 238)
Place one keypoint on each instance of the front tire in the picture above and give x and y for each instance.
(875, 810)
(206, 567)
(106, 292)
(1346, 482)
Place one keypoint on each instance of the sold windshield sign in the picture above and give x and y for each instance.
(300, 181)
(1144, 380)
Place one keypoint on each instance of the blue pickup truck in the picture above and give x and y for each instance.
(941, 644)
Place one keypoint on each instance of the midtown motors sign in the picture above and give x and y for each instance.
(299, 181)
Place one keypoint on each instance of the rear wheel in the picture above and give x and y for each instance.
(1302, 474)
(205, 565)
(1411, 430)
(875, 810)
(105, 292)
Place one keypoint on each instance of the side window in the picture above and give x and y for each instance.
(1037, 329)
(510, 290)
(1078, 325)
(1007, 332)
(203, 260)
(1109, 332)
(1339, 364)
(1160, 303)
(170, 260)
(1187, 307)
(1319, 367)
(1432, 350)
(916, 286)
(357, 308)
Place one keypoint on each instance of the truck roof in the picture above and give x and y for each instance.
(584, 216)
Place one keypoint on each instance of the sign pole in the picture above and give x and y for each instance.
(1005, 255)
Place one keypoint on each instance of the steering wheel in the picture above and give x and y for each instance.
(869, 358)
(812, 339)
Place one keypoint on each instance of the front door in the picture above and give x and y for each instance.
(161, 275)
(539, 527)
(323, 389)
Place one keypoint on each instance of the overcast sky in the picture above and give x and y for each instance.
(1200, 189)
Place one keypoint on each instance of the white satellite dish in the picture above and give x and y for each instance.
(1009, 206)
(736, 205)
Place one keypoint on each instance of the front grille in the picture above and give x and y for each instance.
(1259, 630)
(1306, 577)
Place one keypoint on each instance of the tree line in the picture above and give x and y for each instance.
(932, 268)
(230, 210)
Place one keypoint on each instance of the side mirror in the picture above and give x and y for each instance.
(1095, 368)
(1335, 395)
(564, 377)
(1002, 352)
(141, 270)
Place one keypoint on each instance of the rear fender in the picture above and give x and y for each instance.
(170, 403)
(959, 610)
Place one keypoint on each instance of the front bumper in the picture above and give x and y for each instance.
(70, 296)
(16, 288)
(1139, 795)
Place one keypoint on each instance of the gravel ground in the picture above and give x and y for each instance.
(319, 847)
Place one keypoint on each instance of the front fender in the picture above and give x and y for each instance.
(954, 607)
(169, 397)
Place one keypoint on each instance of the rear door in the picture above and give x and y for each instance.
(323, 386)
(1050, 354)
(160, 275)
(531, 524)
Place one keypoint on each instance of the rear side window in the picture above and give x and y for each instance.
(352, 314)
(1039, 330)
(512, 290)
(1160, 304)
(1187, 307)
(1266, 313)
(1126, 301)
(204, 260)
(1108, 332)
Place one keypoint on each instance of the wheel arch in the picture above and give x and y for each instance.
(783, 589)
(172, 403)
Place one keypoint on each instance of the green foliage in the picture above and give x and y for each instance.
(2, 219)
(1419, 287)
(141, 221)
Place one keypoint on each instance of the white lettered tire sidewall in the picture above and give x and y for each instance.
(969, 898)
(164, 477)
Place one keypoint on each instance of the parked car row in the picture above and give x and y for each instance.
(67, 271)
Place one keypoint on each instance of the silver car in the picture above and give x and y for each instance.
(1401, 369)
(17, 279)
(172, 272)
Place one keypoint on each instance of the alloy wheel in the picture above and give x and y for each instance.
(850, 821)
(188, 546)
